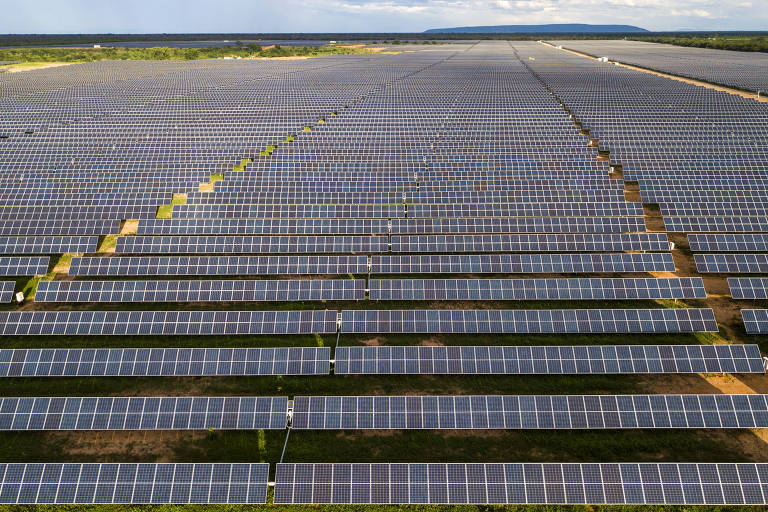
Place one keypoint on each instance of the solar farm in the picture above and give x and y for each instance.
(472, 273)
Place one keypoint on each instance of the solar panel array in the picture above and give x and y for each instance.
(743, 70)
(748, 287)
(352, 171)
(531, 483)
(728, 243)
(536, 289)
(47, 244)
(523, 263)
(566, 359)
(217, 265)
(157, 323)
(167, 362)
(529, 321)
(200, 291)
(6, 290)
(143, 413)
(133, 483)
(755, 320)
(530, 412)
(731, 263)
(23, 265)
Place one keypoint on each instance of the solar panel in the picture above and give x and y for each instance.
(687, 224)
(200, 291)
(218, 265)
(755, 320)
(250, 244)
(140, 362)
(520, 225)
(133, 483)
(529, 321)
(23, 323)
(59, 227)
(143, 413)
(47, 244)
(529, 412)
(531, 483)
(522, 263)
(537, 289)
(6, 290)
(23, 265)
(563, 242)
(748, 287)
(731, 263)
(525, 209)
(226, 226)
(732, 242)
(565, 359)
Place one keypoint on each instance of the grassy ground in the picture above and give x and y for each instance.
(69, 55)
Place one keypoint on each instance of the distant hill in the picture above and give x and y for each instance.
(557, 28)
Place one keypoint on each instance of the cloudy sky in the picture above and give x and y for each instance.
(179, 16)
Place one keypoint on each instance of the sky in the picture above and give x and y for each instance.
(254, 16)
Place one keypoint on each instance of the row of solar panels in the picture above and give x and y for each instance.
(583, 242)
(505, 222)
(409, 483)
(385, 412)
(565, 359)
(500, 321)
(380, 289)
(218, 212)
(572, 263)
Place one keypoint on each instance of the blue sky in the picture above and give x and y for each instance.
(158, 16)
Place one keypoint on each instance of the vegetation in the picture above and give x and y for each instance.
(744, 43)
(48, 54)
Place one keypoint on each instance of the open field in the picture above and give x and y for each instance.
(457, 180)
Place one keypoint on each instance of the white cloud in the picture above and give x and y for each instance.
(89, 16)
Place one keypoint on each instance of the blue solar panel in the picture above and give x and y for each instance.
(537, 289)
(218, 265)
(529, 412)
(566, 359)
(748, 287)
(755, 320)
(23, 323)
(532, 483)
(6, 290)
(143, 413)
(522, 263)
(140, 362)
(200, 291)
(736, 242)
(133, 483)
(23, 265)
(529, 321)
(731, 263)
